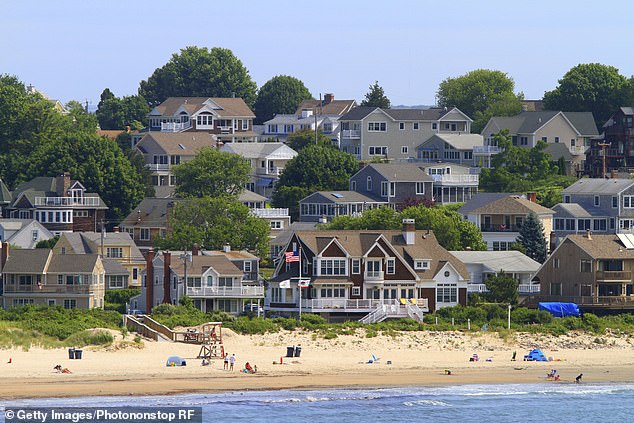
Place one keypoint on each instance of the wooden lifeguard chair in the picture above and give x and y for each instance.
(211, 341)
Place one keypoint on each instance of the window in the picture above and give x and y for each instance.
(277, 295)
(600, 225)
(628, 201)
(446, 293)
(225, 282)
(116, 281)
(571, 225)
(51, 303)
(468, 155)
(401, 126)
(555, 288)
(60, 279)
(421, 264)
(434, 126)
(556, 263)
(204, 120)
(615, 202)
(377, 126)
(22, 301)
(368, 184)
(420, 188)
(327, 127)
(597, 201)
(404, 149)
(35, 234)
(415, 126)
(332, 291)
(391, 266)
(276, 224)
(70, 304)
(583, 224)
(272, 129)
(373, 268)
(356, 290)
(288, 129)
(145, 234)
(384, 188)
(245, 124)
(566, 199)
(556, 139)
(80, 213)
(114, 252)
(586, 266)
(353, 185)
(356, 266)
(545, 139)
(377, 151)
(135, 273)
(247, 266)
(332, 267)
(193, 282)
(523, 140)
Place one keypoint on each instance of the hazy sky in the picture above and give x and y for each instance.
(73, 49)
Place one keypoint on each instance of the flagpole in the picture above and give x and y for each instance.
(299, 288)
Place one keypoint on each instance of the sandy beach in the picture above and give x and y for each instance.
(415, 358)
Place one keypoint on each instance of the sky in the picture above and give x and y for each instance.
(74, 49)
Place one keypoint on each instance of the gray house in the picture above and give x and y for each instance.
(397, 184)
(453, 183)
(322, 206)
(454, 148)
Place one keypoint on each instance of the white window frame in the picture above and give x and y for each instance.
(391, 266)
(377, 126)
(248, 266)
(415, 126)
(401, 126)
(420, 188)
(404, 149)
(385, 187)
(356, 290)
(421, 264)
(144, 234)
(356, 266)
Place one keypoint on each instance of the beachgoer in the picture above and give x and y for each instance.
(65, 370)
(248, 368)
(232, 361)
(578, 378)
(58, 368)
(205, 362)
(226, 365)
(255, 368)
(557, 378)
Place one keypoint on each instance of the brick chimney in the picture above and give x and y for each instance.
(531, 196)
(328, 98)
(167, 261)
(62, 184)
(195, 250)
(409, 231)
(149, 281)
(589, 234)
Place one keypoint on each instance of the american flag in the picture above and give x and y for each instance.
(291, 256)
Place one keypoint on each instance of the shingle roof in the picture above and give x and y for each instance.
(231, 255)
(342, 197)
(230, 106)
(73, 263)
(250, 196)
(496, 261)
(360, 112)
(601, 246)
(335, 107)
(574, 210)
(257, 150)
(482, 199)
(530, 122)
(583, 121)
(27, 261)
(114, 268)
(512, 205)
(598, 186)
(179, 143)
(285, 236)
(458, 141)
(46, 186)
(151, 212)
(401, 172)
(199, 264)
(558, 150)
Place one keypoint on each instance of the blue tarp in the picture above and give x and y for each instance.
(561, 309)
(535, 355)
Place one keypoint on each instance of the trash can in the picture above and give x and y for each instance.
(71, 353)
(290, 351)
(298, 351)
(78, 354)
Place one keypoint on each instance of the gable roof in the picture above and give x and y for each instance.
(335, 107)
(27, 261)
(481, 199)
(257, 150)
(199, 264)
(599, 186)
(229, 106)
(601, 246)
(178, 143)
(431, 114)
(151, 212)
(512, 205)
(46, 186)
(575, 210)
(358, 113)
(558, 150)
(400, 172)
(496, 261)
(530, 122)
(114, 268)
(342, 197)
(458, 141)
(73, 263)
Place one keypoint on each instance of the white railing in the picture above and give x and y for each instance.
(374, 275)
(221, 291)
(486, 149)
(351, 133)
(272, 212)
(175, 126)
(456, 179)
(579, 149)
(226, 129)
(157, 166)
(269, 170)
(378, 315)
(67, 201)
(529, 289)
(415, 312)
(477, 287)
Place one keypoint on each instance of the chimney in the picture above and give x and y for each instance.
(409, 231)
(589, 234)
(149, 281)
(62, 184)
(531, 196)
(614, 174)
(115, 229)
(4, 254)
(167, 261)
(226, 248)
(328, 98)
(195, 250)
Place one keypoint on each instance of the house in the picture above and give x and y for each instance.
(23, 233)
(373, 274)
(371, 132)
(229, 119)
(400, 185)
(452, 148)
(148, 221)
(111, 246)
(224, 281)
(613, 151)
(594, 271)
(573, 129)
(161, 151)
(596, 204)
(500, 217)
(282, 238)
(58, 203)
(483, 264)
(267, 161)
(323, 206)
(452, 183)
(39, 276)
(324, 114)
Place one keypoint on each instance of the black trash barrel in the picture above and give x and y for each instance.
(290, 351)
(71, 353)
(78, 354)
(298, 351)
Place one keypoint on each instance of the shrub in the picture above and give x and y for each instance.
(88, 337)
(256, 325)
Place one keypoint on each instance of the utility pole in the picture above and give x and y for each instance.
(603, 145)
(315, 116)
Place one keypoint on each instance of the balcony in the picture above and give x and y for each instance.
(522, 288)
(477, 287)
(50, 289)
(228, 292)
(351, 134)
(157, 167)
(613, 276)
(529, 288)
(456, 179)
(67, 201)
(376, 275)
(175, 126)
(271, 212)
(226, 129)
(276, 171)
(500, 228)
(486, 149)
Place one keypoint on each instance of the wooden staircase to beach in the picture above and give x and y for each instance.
(394, 311)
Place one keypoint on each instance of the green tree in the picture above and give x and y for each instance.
(300, 139)
(47, 243)
(115, 113)
(213, 222)
(591, 87)
(375, 97)
(532, 238)
(279, 95)
(383, 217)
(480, 94)
(502, 288)
(200, 72)
(212, 173)
(315, 168)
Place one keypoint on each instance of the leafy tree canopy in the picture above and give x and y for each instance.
(502, 288)
(591, 87)
(116, 113)
(212, 173)
(532, 238)
(213, 222)
(279, 95)
(376, 97)
(300, 139)
(200, 72)
(481, 94)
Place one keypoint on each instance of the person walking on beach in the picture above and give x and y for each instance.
(578, 378)
(232, 361)
(226, 364)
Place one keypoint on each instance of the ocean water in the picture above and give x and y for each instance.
(547, 402)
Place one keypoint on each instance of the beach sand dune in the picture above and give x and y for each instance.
(415, 358)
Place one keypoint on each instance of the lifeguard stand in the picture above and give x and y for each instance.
(211, 341)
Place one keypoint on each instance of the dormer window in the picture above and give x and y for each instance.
(77, 193)
(421, 264)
